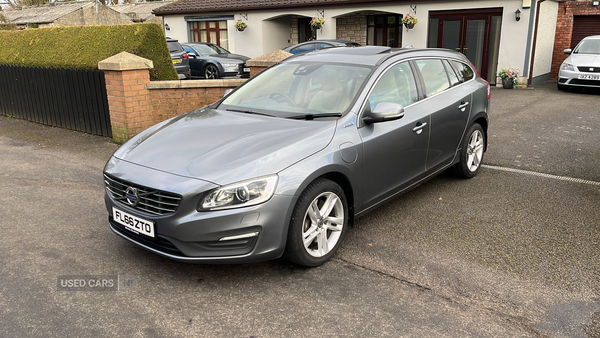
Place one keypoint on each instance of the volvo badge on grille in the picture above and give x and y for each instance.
(132, 196)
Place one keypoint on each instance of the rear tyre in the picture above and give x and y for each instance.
(471, 153)
(211, 72)
(318, 224)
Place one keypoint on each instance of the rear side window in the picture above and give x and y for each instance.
(434, 76)
(307, 48)
(454, 80)
(464, 70)
(326, 45)
(174, 47)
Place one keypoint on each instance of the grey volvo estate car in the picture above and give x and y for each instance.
(282, 165)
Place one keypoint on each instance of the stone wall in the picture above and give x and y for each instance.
(294, 32)
(353, 26)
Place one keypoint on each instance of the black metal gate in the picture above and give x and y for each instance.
(66, 98)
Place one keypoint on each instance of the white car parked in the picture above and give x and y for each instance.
(582, 67)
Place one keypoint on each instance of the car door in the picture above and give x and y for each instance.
(395, 152)
(450, 106)
(195, 61)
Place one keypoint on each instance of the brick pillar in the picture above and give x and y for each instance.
(126, 78)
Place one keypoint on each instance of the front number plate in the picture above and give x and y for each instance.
(134, 224)
(589, 77)
(246, 70)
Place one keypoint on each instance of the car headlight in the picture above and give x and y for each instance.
(567, 66)
(241, 194)
(230, 67)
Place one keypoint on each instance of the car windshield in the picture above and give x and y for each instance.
(300, 89)
(351, 44)
(591, 46)
(210, 49)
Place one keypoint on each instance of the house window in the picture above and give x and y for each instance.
(384, 30)
(214, 32)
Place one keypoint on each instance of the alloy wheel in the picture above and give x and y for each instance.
(475, 151)
(323, 224)
(211, 72)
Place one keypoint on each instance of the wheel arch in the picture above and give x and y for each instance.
(336, 173)
(482, 120)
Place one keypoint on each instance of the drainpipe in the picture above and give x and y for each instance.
(537, 21)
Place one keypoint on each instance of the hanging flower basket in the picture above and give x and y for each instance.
(317, 23)
(240, 25)
(409, 21)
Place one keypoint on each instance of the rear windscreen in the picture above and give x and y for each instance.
(174, 47)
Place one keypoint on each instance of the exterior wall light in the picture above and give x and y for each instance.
(595, 3)
(167, 27)
(518, 15)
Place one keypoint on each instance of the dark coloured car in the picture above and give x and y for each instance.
(180, 58)
(310, 46)
(282, 165)
(210, 61)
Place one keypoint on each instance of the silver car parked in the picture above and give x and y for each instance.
(582, 67)
(284, 164)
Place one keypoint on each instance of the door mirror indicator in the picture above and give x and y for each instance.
(382, 112)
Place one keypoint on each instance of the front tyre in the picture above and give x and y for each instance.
(211, 72)
(471, 154)
(318, 224)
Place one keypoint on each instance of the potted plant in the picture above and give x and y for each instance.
(409, 21)
(510, 77)
(317, 23)
(240, 25)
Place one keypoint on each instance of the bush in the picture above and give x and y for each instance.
(83, 47)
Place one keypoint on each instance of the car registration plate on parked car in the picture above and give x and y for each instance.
(176, 61)
(589, 77)
(133, 223)
(246, 70)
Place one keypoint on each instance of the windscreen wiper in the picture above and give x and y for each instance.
(314, 116)
(247, 111)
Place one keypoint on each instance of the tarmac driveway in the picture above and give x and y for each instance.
(506, 254)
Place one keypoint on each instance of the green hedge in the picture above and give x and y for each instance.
(83, 47)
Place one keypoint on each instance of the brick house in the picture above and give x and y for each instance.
(493, 34)
(576, 20)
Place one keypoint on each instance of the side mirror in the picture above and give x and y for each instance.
(227, 92)
(383, 111)
(568, 51)
(192, 56)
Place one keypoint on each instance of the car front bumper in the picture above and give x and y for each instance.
(203, 237)
(572, 78)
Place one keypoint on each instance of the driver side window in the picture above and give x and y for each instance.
(397, 85)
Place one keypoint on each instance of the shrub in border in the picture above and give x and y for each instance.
(82, 47)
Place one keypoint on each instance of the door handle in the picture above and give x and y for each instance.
(419, 128)
(463, 105)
